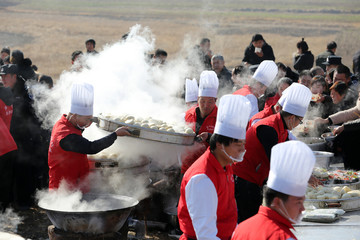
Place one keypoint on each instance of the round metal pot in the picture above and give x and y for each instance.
(323, 158)
(93, 222)
(315, 143)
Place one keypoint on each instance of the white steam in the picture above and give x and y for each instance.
(125, 82)
(9, 221)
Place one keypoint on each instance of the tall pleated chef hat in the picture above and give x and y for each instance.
(291, 165)
(266, 72)
(297, 99)
(209, 84)
(232, 116)
(82, 99)
(283, 96)
(191, 90)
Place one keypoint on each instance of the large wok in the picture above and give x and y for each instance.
(93, 221)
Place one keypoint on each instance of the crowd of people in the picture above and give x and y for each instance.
(243, 154)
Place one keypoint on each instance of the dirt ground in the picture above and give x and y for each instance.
(49, 35)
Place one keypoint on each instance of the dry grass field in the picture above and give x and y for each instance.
(48, 31)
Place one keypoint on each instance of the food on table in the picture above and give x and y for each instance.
(336, 176)
(323, 192)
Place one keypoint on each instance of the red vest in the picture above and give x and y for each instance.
(71, 166)
(7, 143)
(261, 115)
(244, 91)
(223, 181)
(266, 225)
(199, 148)
(272, 100)
(256, 165)
(6, 113)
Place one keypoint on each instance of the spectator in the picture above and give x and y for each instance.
(5, 52)
(237, 74)
(8, 148)
(332, 62)
(304, 59)
(342, 98)
(223, 74)
(159, 57)
(90, 46)
(258, 51)
(45, 79)
(287, 72)
(317, 71)
(77, 61)
(356, 64)
(305, 78)
(330, 51)
(321, 103)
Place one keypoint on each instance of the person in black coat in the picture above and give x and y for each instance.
(26, 131)
(258, 51)
(304, 59)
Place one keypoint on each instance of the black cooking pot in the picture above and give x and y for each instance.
(93, 221)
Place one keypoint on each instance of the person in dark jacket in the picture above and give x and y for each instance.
(25, 129)
(258, 51)
(304, 59)
(330, 51)
(223, 74)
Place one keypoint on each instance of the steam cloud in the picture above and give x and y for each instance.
(124, 82)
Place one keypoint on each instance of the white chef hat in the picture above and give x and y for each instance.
(297, 99)
(232, 116)
(291, 165)
(191, 90)
(82, 99)
(266, 72)
(209, 84)
(283, 95)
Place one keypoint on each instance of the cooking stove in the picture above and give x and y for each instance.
(58, 234)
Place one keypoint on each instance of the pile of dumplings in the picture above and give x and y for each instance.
(321, 192)
(150, 123)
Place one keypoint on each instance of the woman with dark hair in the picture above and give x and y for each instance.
(304, 59)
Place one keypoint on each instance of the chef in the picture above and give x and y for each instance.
(252, 173)
(291, 166)
(202, 117)
(260, 81)
(68, 149)
(207, 207)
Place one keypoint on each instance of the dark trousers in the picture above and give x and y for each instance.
(6, 178)
(349, 142)
(248, 197)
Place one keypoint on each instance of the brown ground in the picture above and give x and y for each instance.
(49, 36)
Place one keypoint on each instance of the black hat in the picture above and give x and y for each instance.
(333, 60)
(257, 37)
(8, 69)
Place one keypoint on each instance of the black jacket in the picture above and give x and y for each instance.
(322, 58)
(304, 61)
(253, 59)
(225, 79)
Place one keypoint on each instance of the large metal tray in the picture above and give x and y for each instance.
(348, 204)
(147, 133)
